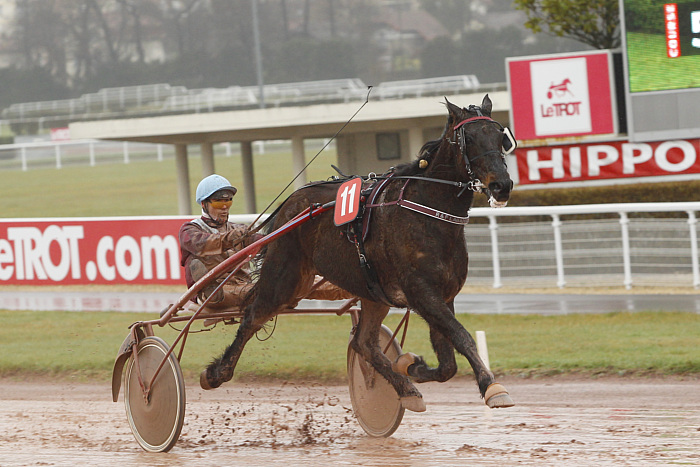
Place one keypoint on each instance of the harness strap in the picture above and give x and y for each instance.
(422, 209)
(443, 216)
(472, 119)
(370, 275)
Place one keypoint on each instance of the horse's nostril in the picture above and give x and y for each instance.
(500, 188)
(495, 187)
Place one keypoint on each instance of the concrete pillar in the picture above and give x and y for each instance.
(207, 159)
(415, 142)
(346, 157)
(298, 161)
(248, 177)
(183, 180)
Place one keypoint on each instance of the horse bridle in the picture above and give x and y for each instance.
(508, 146)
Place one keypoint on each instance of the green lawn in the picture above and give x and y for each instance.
(84, 345)
(142, 187)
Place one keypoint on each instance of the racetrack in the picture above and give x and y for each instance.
(556, 421)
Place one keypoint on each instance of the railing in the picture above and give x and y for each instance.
(633, 248)
(81, 152)
(59, 154)
(155, 99)
(427, 86)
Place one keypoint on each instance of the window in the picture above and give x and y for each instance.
(388, 146)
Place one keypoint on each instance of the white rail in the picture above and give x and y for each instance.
(642, 250)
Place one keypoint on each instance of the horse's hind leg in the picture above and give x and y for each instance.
(279, 282)
(366, 344)
(221, 369)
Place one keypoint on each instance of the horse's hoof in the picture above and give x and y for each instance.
(413, 403)
(203, 382)
(497, 397)
(402, 363)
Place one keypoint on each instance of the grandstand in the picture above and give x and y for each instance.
(163, 99)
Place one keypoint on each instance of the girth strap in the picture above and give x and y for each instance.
(370, 275)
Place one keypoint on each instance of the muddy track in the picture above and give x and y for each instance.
(557, 421)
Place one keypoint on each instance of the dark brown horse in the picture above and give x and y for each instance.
(420, 261)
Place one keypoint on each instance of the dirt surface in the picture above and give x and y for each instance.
(556, 421)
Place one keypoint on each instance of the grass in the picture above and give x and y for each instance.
(84, 345)
(140, 188)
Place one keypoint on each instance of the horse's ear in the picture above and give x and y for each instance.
(454, 110)
(486, 105)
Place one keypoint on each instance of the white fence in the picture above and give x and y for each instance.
(48, 154)
(616, 245)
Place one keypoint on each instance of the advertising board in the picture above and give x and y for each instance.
(71, 251)
(661, 45)
(563, 95)
(607, 161)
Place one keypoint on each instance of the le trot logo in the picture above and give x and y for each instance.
(560, 96)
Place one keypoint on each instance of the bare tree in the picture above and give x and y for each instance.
(104, 26)
(179, 12)
(285, 19)
(131, 9)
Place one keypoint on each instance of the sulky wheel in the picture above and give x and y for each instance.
(156, 424)
(374, 400)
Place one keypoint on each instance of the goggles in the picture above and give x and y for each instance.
(221, 203)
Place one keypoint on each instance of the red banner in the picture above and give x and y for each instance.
(609, 160)
(91, 251)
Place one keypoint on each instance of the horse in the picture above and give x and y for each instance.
(418, 261)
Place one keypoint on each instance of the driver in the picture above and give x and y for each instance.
(207, 241)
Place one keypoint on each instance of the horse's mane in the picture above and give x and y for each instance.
(427, 151)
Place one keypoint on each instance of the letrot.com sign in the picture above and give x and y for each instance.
(556, 96)
(86, 251)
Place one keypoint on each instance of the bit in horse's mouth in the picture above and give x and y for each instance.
(497, 204)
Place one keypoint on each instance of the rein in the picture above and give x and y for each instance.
(474, 184)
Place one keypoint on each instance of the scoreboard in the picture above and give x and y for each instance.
(661, 45)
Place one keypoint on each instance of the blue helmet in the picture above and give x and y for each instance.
(210, 185)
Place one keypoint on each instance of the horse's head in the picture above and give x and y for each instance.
(482, 144)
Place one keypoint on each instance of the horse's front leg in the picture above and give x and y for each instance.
(366, 344)
(441, 318)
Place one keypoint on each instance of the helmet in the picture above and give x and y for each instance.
(210, 185)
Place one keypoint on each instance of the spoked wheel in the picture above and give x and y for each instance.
(374, 400)
(156, 423)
